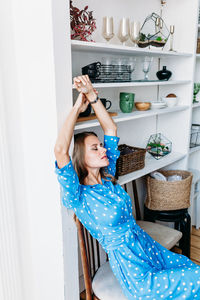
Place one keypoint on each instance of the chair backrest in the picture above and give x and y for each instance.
(90, 256)
(90, 249)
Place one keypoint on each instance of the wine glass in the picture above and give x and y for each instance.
(134, 32)
(132, 64)
(108, 28)
(195, 91)
(146, 66)
(124, 30)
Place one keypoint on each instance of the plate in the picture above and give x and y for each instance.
(158, 105)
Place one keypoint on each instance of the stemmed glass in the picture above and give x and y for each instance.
(134, 32)
(146, 66)
(108, 28)
(124, 30)
(195, 92)
(132, 64)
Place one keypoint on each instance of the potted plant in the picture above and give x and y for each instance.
(82, 23)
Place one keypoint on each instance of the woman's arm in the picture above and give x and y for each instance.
(63, 141)
(83, 83)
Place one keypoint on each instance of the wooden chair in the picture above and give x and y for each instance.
(100, 282)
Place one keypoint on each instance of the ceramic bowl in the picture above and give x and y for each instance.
(142, 105)
(170, 101)
(158, 105)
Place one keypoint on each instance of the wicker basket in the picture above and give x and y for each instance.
(169, 195)
(131, 159)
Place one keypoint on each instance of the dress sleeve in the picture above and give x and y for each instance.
(70, 186)
(111, 144)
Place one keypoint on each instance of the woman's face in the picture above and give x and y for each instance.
(95, 153)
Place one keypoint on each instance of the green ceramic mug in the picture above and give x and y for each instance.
(126, 102)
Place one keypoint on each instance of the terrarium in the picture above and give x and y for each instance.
(158, 145)
(153, 32)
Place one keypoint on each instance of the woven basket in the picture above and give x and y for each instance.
(169, 195)
(130, 162)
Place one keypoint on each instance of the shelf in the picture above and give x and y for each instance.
(198, 55)
(194, 149)
(119, 49)
(122, 117)
(151, 164)
(139, 84)
(196, 105)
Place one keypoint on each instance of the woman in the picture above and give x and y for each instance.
(144, 268)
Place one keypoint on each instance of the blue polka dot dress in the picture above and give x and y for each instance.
(144, 268)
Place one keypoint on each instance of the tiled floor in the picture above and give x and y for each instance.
(195, 250)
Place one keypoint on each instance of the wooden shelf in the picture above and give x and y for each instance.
(126, 50)
(139, 84)
(151, 164)
(194, 149)
(122, 117)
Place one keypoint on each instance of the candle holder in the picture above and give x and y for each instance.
(171, 38)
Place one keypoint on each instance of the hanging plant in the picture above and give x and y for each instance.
(82, 23)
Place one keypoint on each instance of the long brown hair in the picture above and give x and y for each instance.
(78, 158)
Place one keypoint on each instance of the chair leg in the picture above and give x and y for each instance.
(185, 227)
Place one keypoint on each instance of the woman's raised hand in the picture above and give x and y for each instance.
(81, 103)
(84, 85)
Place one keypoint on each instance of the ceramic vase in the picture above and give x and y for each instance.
(164, 74)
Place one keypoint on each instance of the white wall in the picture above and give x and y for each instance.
(28, 96)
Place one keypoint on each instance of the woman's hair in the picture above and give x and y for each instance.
(78, 158)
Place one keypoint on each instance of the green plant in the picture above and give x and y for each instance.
(159, 39)
(82, 23)
(142, 37)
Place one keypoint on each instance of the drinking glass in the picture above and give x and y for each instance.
(134, 32)
(132, 64)
(124, 30)
(196, 91)
(146, 66)
(108, 28)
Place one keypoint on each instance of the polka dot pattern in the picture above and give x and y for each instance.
(144, 268)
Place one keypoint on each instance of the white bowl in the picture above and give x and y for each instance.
(158, 105)
(170, 101)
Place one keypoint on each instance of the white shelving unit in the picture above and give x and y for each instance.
(196, 105)
(194, 153)
(151, 165)
(125, 50)
(140, 84)
(195, 149)
(121, 117)
(135, 128)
